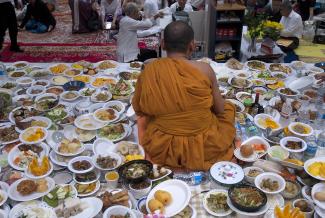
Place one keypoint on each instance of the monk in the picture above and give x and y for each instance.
(183, 120)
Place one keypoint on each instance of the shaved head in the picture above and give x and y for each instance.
(177, 37)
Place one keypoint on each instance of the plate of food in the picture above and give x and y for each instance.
(3, 197)
(69, 147)
(270, 183)
(300, 129)
(34, 91)
(312, 94)
(315, 167)
(242, 96)
(108, 161)
(258, 82)
(256, 65)
(129, 150)
(246, 153)
(317, 194)
(246, 198)
(239, 106)
(59, 159)
(280, 68)
(33, 135)
(108, 64)
(8, 85)
(39, 73)
(58, 68)
(86, 178)
(85, 190)
(41, 82)
(87, 122)
(21, 155)
(81, 164)
(59, 80)
(33, 121)
(84, 135)
(159, 173)
(8, 134)
(135, 171)
(119, 211)
(39, 168)
(57, 90)
(169, 197)
(103, 81)
(69, 95)
(292, 190)
(56, 114)
(234, 64)
(28, 189)
(264, 121)
(72, 72)
(46, 102)
(101, 96)
(226, 173)
(240, 83)
(103, 146)
(215, 203)
(256, 144)
(136, 65)
(16, 74)
(83, 78)
(129, 75)
(279, 75)
(298, 65)
(251, 173)
(20, 64)
(106, 115)
(122, 90)
(288, 93)
(32, 209)
(242, 74)
(87, 92)
(113, 197)
(59, 194)
(293, 144)
(113, 132)
(116, 105)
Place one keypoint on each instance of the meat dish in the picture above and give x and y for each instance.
(27, 187)
(8, 134)
(106, 162)
(81, 165)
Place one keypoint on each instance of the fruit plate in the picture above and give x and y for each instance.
(180, 192)
(312, 161)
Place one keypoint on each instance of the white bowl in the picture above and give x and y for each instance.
(30, 89)
(284, 141)
(21, 135)
(103, 146)
(259, 80)
(239, 94)
(288, 96)
(118, 210)
(311, 205)
(264, 116)
(139, 193)
(284, 75)
(16, 99)
(273, 177)
(120, 104)
(93, 96)
(246, 74)
(277, 149)
(251, 179)
(59, 83)
(43, 81)
(46, 95)
(58, 87)
(291, 125)
(110, 154)
(20, 81)
(238, 103)
(62, 96)
(84, 89)
(80, 158)
(298, 65)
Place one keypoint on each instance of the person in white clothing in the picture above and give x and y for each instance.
(150, 10)
(291, 21)
(181, 5)
(127, 41)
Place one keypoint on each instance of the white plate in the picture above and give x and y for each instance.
(103, 146)
(116, 114)
(16, 196)
(239, 94)
(87, 122)
(4, 186)
(6, 125)
(205, 203)
(21, 138)
(124, 135)
(262, 211)
(62, 178)
(238, 103)
(31, 176)
(291, 125)
(77, 95)
(240, 87)
(37, 118)
(118, 210)
(111, 155)
(93, 96)
(264, 116)
(319, 187)
(90, 193)
(284, 141)
(80, 158)
(120, 104)
(258, 140)
(94, 207)
(18, 209)
(251, 158)
(302, 83)
(181, 195)
(27, 64)
(275, 200)
(246, 64)
(103, 77)
(81, 149)
(14, 152)
(53, 157)
(228, 173)
(4, 196)
(304, 193)
(273, 177)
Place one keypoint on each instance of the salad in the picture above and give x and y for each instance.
(122, 89)
(112, 132)
(56, 114)
(58, 194)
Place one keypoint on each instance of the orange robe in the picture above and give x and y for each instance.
(181, 130)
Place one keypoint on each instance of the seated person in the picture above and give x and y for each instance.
(85, 16)
(272, 9)
(183, 120)
(108, 9)
(127, 40)
(38, 18)
(181, 5)
(291, 21)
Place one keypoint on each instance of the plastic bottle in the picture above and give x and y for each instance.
(251, 129)
(311, 148)
(286, 109)
(321, 145)
(193, 178)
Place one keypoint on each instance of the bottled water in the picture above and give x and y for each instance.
(251, 129)
(321, 144)
(311, 148)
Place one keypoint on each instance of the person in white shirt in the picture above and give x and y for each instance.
(181, 5)
(127, 41)
(291, 21)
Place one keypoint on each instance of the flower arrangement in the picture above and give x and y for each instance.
(271, 29)
(255, 24)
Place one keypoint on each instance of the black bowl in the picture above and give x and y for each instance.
(73, 86)
(320, 65)
(122, 171)
(245, 208)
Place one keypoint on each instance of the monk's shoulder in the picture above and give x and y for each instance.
(203, 67)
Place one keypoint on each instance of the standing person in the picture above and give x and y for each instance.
(38, 18)
(127, 41)
(8, 21)
(183, 120)
(305, 9)
(108, 9)
(181, 5)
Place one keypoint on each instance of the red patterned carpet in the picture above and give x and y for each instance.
(60, 45)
